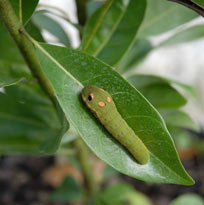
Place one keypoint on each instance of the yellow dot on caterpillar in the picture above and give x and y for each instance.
(101, 104)
(108, 99)
(92, 95)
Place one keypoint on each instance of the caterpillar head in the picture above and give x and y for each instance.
(96, 98)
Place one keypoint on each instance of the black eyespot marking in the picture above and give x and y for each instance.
(90, 98)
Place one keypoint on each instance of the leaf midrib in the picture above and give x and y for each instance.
(97, 25)
(112, 31)
(58, 64)
(154, 20)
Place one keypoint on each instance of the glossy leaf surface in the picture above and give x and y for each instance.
(69, 71)
(112, 29)
(24, 9)
(27, 118)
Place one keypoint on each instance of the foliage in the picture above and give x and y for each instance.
(115, 40)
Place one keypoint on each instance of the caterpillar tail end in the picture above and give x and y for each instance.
(145, 159)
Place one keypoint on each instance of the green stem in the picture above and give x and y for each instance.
(190, 5)
(82, 150)
(25, 46)
(83, 158)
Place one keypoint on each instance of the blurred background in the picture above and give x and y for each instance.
(54, 179)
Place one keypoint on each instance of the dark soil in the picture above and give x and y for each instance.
(21, 182)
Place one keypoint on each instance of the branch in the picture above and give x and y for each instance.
(190, 5)
(87, 170)
(25, 46)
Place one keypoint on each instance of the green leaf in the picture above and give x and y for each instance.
(24, 9)
(162, 16)
(52, 143)
(8, 75)
(141, 80)
(135, 55)
(42, 21)
(69, 71)
(11, 73)
(163, 96)
(183, 138)
(187, 35)
(158, 91)
(179, 118)
(188, 199)
(27, 118)
(92, 6)
(69, 136)
(34, 31)
(112, 29)
(67, 192)
(122, 193)
(109, 172)
(7, 45)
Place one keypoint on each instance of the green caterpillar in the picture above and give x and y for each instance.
(101, 104)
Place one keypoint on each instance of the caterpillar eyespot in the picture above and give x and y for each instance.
(111, 119)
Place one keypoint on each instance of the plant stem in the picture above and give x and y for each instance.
(25, 46)
(190, 5)
(81, 11)
(83, 158)
(82, 150)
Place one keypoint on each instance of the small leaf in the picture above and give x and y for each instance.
(188, 199)
(11, 74)
(24, 9)
(141, 80)
(125, 195)
(162, 16)
(187, 35)
(135, 55)
(158, 91)
(52, 143)
(34, 31)
(112, 29)
(178, 118)
(69, 71)
(31, 117)
(183, 138)
(163, 96)
(43, 21)
(7, 75)
(92, 6)
(68, 191)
